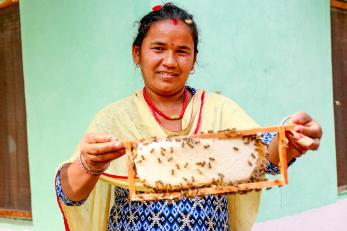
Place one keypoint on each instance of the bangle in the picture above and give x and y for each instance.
(285, 119)
(88, 170)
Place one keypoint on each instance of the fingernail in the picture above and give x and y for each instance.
(297, 137)
(288, 133)
(299, 130)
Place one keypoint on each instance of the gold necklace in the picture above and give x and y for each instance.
(187, 129)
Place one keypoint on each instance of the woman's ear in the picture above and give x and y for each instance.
(136, 54)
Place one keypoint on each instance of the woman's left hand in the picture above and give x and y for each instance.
(305, 126)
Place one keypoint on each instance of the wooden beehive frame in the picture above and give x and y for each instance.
(136, 195)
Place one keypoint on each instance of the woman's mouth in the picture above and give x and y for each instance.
(167, 75)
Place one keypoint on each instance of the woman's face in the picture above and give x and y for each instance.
(166, 56)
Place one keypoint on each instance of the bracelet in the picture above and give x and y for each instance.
(88, 170)
(285, 119)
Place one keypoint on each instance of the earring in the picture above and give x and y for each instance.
(192, 71)
(137, 65)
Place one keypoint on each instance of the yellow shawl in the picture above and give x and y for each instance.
(131, 119)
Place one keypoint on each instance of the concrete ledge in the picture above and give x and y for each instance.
(328, 218)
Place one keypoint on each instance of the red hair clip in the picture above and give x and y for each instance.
(157, 7)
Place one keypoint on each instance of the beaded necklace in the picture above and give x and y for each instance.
(186, 130)
(156, 111)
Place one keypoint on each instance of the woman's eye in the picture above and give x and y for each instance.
(182, 52)
(158, 48)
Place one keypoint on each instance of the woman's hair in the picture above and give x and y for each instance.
(167, 11)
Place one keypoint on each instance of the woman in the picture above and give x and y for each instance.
(165, 50)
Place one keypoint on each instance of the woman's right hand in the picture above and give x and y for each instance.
(99, 149)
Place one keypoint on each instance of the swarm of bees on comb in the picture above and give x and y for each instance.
(185, 163)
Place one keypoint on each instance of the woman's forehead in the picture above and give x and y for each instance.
(170, 30)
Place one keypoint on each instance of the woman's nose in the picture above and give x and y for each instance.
(170, 60)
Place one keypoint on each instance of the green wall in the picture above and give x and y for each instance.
(272, 57)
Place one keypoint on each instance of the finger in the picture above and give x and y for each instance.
(298, 141)
(101, 148)
(104, 158)
(313, 130)
(294, 152)
(293, 142)
(92, 138)
(300, 118)
(315, 144)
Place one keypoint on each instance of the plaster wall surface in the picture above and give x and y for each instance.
(272, 57)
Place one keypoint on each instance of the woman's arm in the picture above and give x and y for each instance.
(305, 126)
(97, 151)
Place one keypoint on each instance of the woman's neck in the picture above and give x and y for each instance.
(166, 100)
(165, 106)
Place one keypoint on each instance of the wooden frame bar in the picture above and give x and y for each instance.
(15, 214)
(282, 180)
(338, 4)
(7, 3)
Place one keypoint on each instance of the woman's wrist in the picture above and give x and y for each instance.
(89, 169)
(76, 182)
(290, 157)
(272, 141)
